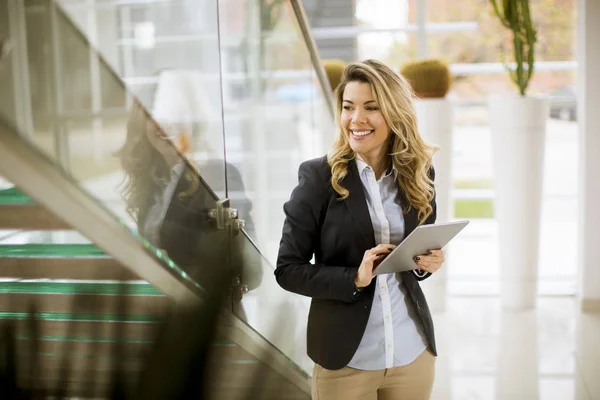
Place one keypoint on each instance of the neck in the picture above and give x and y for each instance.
(379, 164)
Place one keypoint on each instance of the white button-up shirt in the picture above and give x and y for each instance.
(393, 337)
(156, 213)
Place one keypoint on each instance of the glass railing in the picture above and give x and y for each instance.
(276, 116)
(158, 109)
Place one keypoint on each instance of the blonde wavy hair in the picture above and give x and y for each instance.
(146, 170)
(410, 155)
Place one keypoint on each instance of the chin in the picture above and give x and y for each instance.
(357, 149)
(359, 146)
(354, 146)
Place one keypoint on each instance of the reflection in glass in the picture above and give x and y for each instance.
(168, 201)
(153, 169)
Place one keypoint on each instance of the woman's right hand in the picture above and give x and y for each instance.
(370, 260)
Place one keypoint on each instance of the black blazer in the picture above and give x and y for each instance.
(191, 239)
(337, 233)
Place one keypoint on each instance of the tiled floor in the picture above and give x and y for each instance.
(552, 353)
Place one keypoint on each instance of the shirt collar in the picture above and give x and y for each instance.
(178, 170)
(361, 165)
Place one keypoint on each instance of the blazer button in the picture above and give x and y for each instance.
(366, 306)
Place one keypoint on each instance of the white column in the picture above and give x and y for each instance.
(435, 120)
(518, 126)
(588, 103)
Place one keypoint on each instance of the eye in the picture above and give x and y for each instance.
(347, 108)
(372, 108)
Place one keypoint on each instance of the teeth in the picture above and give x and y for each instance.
(361, 133)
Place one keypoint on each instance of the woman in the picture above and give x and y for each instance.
(369, 338)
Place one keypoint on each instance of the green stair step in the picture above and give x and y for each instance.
(82, 317)
(87, 339)
(89, 356)
(12, 196)
(111, 357)
(100, 288)
(51, 250)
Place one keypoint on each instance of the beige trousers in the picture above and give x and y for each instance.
(411, 382)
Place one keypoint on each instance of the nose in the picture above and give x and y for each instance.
(359, 117)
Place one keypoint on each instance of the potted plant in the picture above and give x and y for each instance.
(431, 79)
(518, 125)
(334, 69)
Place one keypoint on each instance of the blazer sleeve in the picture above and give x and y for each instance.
(304, 214)
(422, 275)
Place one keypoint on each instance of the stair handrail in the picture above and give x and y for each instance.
(314, 53)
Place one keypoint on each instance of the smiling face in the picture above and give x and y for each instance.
(363, 123)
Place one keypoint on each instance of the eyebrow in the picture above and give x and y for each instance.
(366, 102)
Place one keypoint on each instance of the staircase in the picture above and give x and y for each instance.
(87, 305)
(88, 295)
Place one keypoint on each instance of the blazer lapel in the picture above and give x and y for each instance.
(357, 204)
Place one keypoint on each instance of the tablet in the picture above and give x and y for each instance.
(419, 242)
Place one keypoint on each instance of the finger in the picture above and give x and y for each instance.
(429, 266)
(435, 265)
(427, 269)
(430, 253)
(430, 259)
(424, 265)
(439, 257)
(384, 246)
(370, 260)
(435, 253)
(426, 259)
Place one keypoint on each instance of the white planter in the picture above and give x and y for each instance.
(518, 127)
(435, 119)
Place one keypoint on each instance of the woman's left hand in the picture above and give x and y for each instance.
(430, 262)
